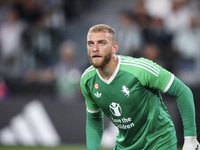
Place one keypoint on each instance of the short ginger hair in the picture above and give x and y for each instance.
(103, 28)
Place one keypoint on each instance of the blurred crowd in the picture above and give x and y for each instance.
(167, 32)
(35, 46)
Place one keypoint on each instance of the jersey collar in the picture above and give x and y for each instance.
(113, 75)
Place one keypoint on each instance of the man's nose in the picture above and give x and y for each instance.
(95, 47)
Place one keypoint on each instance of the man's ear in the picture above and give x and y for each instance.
(115, 47)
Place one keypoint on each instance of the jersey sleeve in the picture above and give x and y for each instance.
(154, 76)
(185, 101)
(91, 106)
(94, 130)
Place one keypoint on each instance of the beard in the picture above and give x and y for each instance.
(100, 63)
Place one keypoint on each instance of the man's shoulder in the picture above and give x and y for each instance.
(136, 62)
(133, 59)
(88, 73)
(138, 66)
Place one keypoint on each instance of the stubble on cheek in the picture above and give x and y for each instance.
(101, 62)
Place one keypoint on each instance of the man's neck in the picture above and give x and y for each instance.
(109, 69)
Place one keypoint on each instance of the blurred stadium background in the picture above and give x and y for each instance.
(43, 53)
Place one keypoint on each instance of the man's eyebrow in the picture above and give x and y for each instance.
(101, 40)
(97, 41)
(89, 41)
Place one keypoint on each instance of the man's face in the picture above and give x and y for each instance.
(100, 48)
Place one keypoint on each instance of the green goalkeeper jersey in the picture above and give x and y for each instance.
(131, 100)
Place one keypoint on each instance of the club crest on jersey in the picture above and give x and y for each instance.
(125, 90)
(115, 109)
(96, 86)
(98, 95)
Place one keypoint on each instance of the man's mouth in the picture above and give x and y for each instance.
(96, 56)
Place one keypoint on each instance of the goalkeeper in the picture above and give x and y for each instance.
(127, 90)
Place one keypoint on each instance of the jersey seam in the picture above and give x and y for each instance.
(169, 84)
(93, 111)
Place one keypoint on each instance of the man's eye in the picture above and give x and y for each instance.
(102, 43)
(90, 43)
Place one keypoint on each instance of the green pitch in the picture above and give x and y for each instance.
(67, 147)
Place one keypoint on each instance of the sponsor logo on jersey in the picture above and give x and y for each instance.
(98, 95)
(125, 90)
(96, 86)
(115, 109)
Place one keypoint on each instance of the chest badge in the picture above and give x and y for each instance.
(98, 95)
(125, 90)
(115, 109)
(96, 86)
